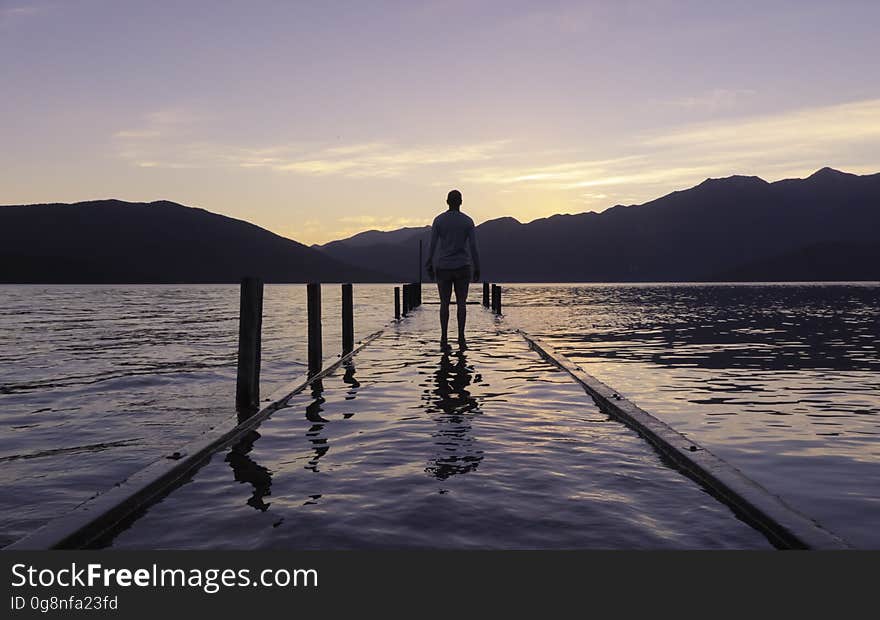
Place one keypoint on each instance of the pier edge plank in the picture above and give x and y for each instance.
(784, 526)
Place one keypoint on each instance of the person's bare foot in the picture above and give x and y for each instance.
(462, 344)
(444, 345)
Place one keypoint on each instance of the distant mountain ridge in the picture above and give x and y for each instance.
(826, 226)
(376, 237)
(112, 241)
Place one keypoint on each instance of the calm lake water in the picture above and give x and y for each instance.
(407, 447)
(780, 380)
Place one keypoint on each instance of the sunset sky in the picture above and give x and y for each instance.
(320, 119)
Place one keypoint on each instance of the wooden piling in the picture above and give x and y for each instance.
(397, 302)
(347, 319)
(106, 512)
(405, 292)
(498, 300)
(494, 298)
(250, 322)
(485, 294)
(316, 354)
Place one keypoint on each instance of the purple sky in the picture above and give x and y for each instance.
(320, 119)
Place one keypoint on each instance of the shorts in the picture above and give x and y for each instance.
(454, 275)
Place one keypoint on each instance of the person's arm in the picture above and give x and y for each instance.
(475, 253)
(429, 264)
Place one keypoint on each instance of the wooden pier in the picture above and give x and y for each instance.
(100, 519)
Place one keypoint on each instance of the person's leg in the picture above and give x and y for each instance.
(444, 288)
(461, 293)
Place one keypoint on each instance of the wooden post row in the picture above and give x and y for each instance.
(250, 323)
(316, 355)
(347, 319)
(496, 299)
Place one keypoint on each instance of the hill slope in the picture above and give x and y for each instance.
(111, 241)
(394, 252)
(722, 228)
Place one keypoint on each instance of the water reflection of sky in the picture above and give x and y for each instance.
(782, 380)
(492, 448)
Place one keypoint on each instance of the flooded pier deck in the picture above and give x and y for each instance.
(406, 447)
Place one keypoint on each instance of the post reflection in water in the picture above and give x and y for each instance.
(452, 406)
(353, 384)
(314, 434)
(247, 470)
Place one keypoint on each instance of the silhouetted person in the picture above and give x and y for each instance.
(454, 240)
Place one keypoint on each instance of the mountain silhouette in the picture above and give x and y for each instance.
(379, 237)
(111, 241)
(826, 226)
(739, 228)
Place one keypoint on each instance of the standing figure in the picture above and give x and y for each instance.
(457, 261)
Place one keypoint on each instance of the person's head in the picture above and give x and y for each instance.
(453, 199)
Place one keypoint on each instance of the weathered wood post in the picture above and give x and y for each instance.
(496, 298)
(250, 323)
(347, 319)
(397, 302)
(485, 294)
(405, 299)
(316, 354)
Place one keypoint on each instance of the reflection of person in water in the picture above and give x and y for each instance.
(452, 406)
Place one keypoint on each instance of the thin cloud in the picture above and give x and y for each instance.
(360, 160)
(778, 145)
(167, 123)
(847, 122)
(137, 133)
(387, 160)
(552, 175)
(717, 99)
(774, 146)
(7, 14)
